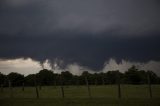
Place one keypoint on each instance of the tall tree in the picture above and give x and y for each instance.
(15, 78)
(45, 77)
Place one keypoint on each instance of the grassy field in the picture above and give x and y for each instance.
(132, 95)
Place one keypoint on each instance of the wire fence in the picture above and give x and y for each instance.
(85, 91)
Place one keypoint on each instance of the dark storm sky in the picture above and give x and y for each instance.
(87, 32)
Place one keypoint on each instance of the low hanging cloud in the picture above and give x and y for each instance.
(29, 66)
(125, 65)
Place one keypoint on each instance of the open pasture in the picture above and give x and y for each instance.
(134, 95)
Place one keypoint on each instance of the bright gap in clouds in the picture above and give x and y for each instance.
(23, 66)
(29, 66)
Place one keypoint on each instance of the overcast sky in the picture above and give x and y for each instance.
(79, 33)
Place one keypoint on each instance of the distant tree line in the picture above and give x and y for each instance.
(49, 78)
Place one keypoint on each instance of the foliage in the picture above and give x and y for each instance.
(48, 77)
(15, 78)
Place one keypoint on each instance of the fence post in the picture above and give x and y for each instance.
(10, 87)
(77, 83)
(88, 87)
(119, 91)
(40, 87)
(119, 86)
(1, 87)
(23, 86)
(62, 89)
(103, 82)
(149, 85)
(36, 88)
(95, 83)
(55, 83)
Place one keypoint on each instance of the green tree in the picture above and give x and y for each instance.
(30, 80)
(132, 76)
(2, 79)
(45, 77)
(15, 78)
(67, 78)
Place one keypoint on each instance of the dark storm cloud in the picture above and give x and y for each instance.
(87, 32)
(43, 17)
(85, 50)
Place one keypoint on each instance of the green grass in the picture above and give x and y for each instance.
(132, 95)
(80, 102)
